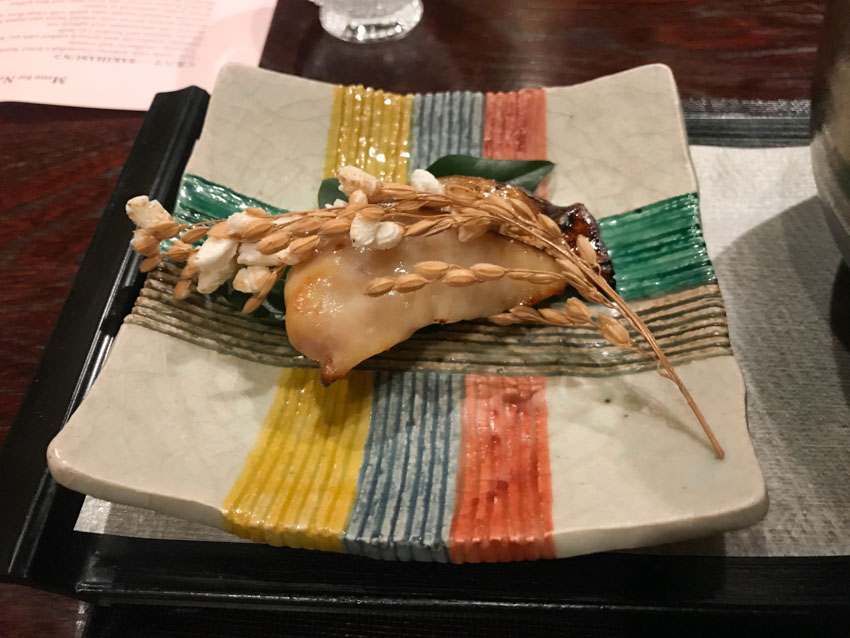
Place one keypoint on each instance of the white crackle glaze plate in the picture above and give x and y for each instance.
(469, 442)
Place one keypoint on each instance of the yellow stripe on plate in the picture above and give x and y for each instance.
(371, 130)
(299, 482)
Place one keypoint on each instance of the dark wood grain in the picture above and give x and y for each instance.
(717, 48)
(58, 165)
(27, 613)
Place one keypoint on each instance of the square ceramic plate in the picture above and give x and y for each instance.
(468, 442)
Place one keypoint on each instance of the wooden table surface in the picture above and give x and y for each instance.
(59, 165)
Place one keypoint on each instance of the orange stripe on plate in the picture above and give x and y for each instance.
(503, 503)
(515, 125)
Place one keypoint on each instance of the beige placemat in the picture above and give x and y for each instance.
(777, 265)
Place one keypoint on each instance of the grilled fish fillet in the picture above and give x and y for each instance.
(330, 320)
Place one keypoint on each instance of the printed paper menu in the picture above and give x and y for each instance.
(120, 53)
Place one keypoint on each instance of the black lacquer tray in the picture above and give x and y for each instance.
(39, 547)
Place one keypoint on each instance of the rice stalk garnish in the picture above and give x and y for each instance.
(254, 248)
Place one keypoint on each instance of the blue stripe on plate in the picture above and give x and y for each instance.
(446, 124)
(406, 487)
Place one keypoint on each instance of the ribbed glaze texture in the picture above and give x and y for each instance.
(201, 200)
(407, 481)
(371, 130)
(515, 125)
(503, 508)
(299, 481)
(658, 249)
(446, 124)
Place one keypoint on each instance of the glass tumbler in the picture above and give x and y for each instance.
(369, 20)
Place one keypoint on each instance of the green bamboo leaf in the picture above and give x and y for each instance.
(329, 192)
(526, 174)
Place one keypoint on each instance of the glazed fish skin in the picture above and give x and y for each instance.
(573, 220)
(330, 319)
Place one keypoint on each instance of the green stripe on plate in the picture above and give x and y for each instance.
(200, 200)
(658, 249)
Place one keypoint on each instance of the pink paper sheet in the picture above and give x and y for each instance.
(119, 53)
